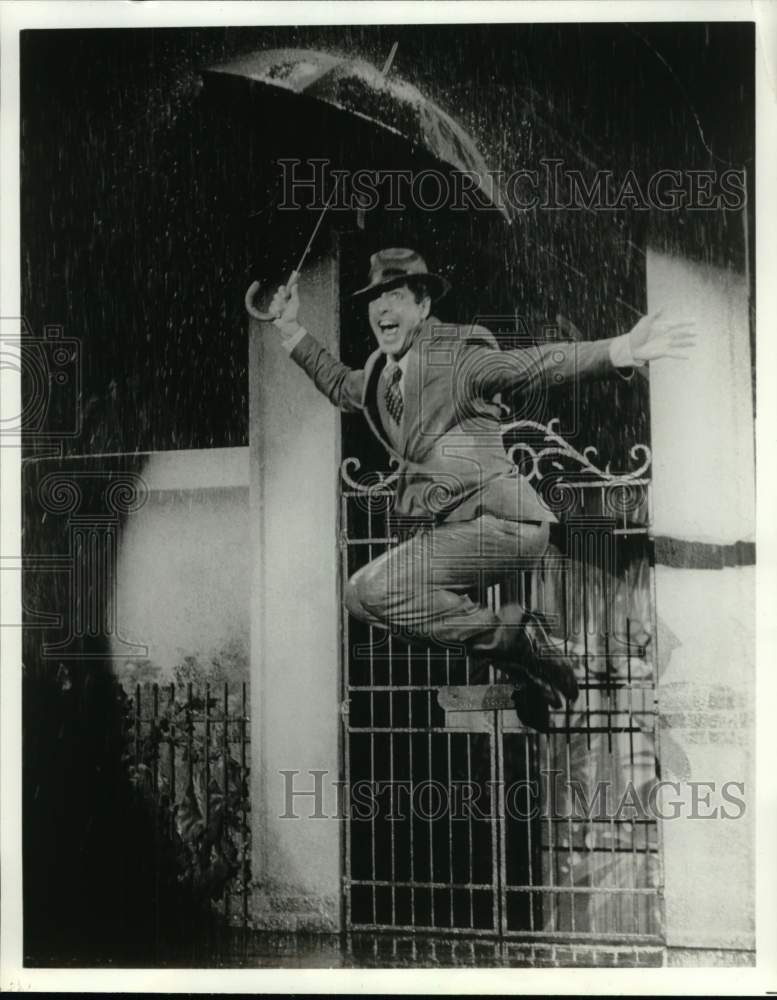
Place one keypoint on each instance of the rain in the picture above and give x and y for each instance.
(150, 193)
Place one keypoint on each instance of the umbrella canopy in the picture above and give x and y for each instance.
(356, 87)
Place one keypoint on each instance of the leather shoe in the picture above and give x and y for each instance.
(543, 657)
(531, 704)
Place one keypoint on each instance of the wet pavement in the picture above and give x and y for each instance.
(259, 949)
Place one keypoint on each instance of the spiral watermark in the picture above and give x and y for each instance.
(49, 368)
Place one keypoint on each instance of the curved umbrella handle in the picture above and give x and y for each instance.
(251, 309)
(253, 288)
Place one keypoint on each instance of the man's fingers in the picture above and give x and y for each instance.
(680, 328)
(285, 293)
(659, 319)
(670, 344)
(665, 336)
(285, 302)
(678, 337)
(667, 327)
(669, 322)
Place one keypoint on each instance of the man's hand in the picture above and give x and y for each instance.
(655, 337)
(284, 307)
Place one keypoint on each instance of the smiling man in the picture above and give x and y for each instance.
(395, 315)
(430, 393)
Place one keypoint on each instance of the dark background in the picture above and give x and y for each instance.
(146, 210)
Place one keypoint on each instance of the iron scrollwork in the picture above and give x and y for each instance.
(558, 447)
(623, 486)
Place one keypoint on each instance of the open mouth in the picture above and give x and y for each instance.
(388, 328)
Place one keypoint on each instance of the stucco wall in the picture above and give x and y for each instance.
(703, 475)
(701, 410)
(294, 435)
(184, 566)
(706, 712)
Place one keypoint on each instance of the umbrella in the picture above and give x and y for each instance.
(357, 88)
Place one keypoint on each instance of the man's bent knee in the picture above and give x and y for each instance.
(352, 598)
(365, 594)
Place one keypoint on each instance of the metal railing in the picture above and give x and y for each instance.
(189, 756)
(553, 872)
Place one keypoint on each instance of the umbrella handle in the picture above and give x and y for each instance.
(251, 309)
(253, 288)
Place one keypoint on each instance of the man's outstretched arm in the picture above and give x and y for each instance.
(342, 385)
(653, 338)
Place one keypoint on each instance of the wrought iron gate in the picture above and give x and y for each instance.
(464, 822)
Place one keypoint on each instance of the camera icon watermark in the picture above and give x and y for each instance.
(50, 369)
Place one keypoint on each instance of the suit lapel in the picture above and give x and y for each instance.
(373, 369)
(411, 393)
(417, 374)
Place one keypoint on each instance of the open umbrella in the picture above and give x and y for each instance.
(357, 88)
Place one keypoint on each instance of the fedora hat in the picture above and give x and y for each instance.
(393, 267)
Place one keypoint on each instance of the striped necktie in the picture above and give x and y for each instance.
(393, 395)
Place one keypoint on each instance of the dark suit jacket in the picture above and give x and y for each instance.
(452, 462)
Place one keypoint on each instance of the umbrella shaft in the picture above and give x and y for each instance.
(325, 209)
(390, 60)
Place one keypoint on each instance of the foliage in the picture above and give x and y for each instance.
(227, 665)
(186, 759)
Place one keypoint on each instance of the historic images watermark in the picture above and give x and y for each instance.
(313, 184)
(551, 795)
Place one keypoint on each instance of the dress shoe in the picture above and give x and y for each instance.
(543, 657)
(531, 704)
(520, 677)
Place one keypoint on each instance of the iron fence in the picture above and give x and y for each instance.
(189, 756)
(548, 870)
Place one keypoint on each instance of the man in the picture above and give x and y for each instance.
(431, 393)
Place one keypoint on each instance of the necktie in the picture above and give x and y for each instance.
(393, 395)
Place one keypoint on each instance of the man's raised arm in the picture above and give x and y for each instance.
(654, 337)
(342, 385)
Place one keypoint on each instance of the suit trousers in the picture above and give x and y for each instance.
(422, 589)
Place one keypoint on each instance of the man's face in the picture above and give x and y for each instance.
(394, 317)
